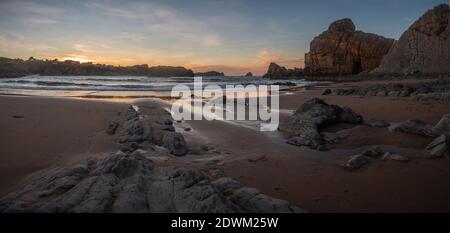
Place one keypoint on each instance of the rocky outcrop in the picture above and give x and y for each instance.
(209, 73)
(280, 72)
(19, 67)
(341, 50)
(11, 68)
(151, 125)
(414, 127)
(438, 90)
(133, 183)
(169, 71)
(249, 74)
(130, 181)
(424, 48)
(304, 124)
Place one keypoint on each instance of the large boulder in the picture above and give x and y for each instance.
(315, 113)
(343, 50)
(423, 48)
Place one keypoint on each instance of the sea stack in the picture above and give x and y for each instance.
(422, 49)
(342, 50)
(276, 71)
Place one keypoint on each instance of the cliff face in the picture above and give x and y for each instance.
(423, 48)
(18, 68)
(280, 72)
(343, 50)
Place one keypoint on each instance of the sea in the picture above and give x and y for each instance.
(121, 86)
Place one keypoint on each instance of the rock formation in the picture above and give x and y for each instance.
(280, 72)
(421, 91)
(424, 48)
(249, 74)
(19, 67)
(341, 50)
(209, 73)
(133, 183)
(130, 181)
(11, 68)
(304, 124)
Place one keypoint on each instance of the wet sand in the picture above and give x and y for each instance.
(55, 131)
(39, 132)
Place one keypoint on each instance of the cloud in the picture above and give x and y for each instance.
(264, 57)
(33, 13)
(13, 43)
(159, 19)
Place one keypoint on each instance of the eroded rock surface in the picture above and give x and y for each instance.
(304, 124)
(343, 50)
(422, 49)
(414, 127)
(132, 183)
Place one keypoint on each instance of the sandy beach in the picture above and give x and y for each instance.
(39, 133)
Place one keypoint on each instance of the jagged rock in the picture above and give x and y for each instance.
(374, 152)
(125, 183)
(443, 126)
(437, 147)
(395, 157)
(174, 142)
(249, 74)
(372, 122)
(414, 127)
(343, 50)
(355, 162)
(280, 72)
(312, 115)
(424, 48)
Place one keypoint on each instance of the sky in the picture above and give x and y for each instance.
(232, 36)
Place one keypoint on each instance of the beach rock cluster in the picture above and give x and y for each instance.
(130, 181)
(341, 50)
(124, 182)
(438, 90)
(358, 161)
(440, 132)
(414, 127)
(280, 72)
(304, 124)
(422, 49)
